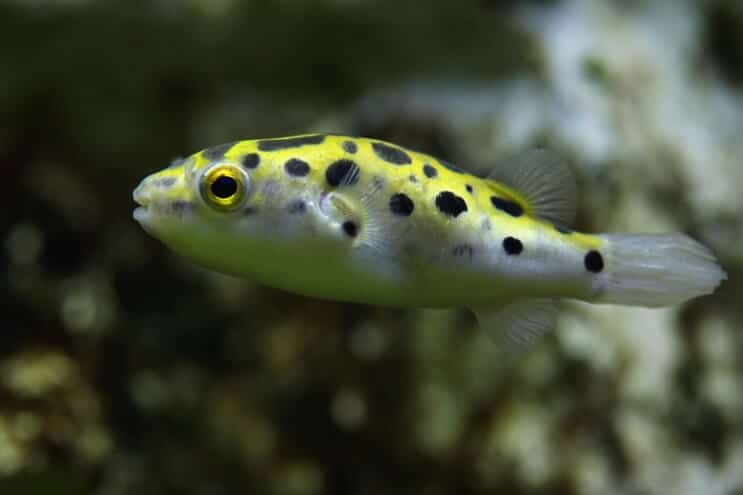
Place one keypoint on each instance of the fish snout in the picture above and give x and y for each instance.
(142, 194)
(164, 193)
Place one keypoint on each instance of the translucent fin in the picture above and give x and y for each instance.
(657, 269)
(519, 324)
(351, 176)
(546, 182)
(368, 227)
(377, 229)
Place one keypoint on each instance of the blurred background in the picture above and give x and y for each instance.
(124, 369)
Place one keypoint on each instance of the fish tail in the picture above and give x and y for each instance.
(657, 269)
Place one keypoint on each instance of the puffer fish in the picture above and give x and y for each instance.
(366, 221)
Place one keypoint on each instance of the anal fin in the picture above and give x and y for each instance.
(519, 324)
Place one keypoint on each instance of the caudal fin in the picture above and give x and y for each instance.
(658, 269)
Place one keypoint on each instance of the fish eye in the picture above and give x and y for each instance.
(224, 187)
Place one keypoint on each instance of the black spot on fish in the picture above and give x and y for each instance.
(350, 147)
(563, 230)
(247, 211)
(296, 167)
(296, 207)
(512, 246)
(594, 261)
(451, 167)
(463, 250)
(181, 207)
(251, 160)
(511, 207)
(217, 152)
(287, 143)
(401, 205)
(350, 228)
(450, 204)
(342, 172)
(165, 182)
(412, 178)
(391, 154)
(429, 171)
(469, 188)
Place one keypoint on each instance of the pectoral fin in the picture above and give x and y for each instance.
(361, 219)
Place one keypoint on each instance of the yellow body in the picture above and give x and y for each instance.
(425, 257)
(355, 219)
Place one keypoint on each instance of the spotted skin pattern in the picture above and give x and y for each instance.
(361, 220)
(388, 160)
(365, 198)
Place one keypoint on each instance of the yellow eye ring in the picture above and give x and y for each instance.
(225, 187)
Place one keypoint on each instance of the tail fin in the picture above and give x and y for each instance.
(658, 269)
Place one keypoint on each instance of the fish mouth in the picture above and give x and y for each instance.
(140, 214)
(156, 203)
(142, 197)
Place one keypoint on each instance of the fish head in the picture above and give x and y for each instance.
(198, 208)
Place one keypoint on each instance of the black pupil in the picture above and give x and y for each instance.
(224, 187)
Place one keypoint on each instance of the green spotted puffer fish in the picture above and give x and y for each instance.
(366, 221)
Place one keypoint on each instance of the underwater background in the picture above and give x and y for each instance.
(125, 369)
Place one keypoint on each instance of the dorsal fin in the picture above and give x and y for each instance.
(547, 184)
